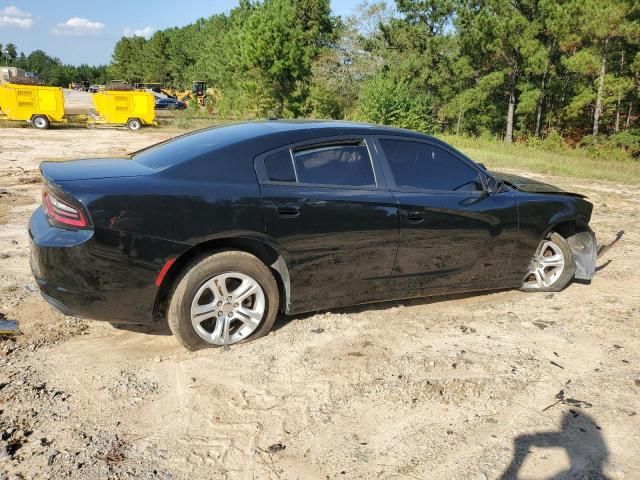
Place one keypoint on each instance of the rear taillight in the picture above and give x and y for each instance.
(61, 213)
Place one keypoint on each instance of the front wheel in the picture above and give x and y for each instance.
(552, 267)
(223, 299)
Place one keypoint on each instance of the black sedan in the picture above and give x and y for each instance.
(169, 104)
(218, 230)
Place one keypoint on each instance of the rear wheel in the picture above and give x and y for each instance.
(223, 299)
(552, 267)
(134, 124)
(40, 122)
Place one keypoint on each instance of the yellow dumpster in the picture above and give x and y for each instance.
(36, 104)
(130, 108)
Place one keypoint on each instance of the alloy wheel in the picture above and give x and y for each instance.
(227, 308)
(545, 267)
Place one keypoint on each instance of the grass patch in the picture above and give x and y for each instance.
(611, 166)
(189, 119)
(185, 122)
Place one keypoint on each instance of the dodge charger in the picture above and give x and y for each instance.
(218, 231)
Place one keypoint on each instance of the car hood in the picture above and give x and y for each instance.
(93, 168)
(529, 185)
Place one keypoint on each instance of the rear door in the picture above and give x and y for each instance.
(327, 205)
(453, 234)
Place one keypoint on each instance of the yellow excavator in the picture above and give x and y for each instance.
(197, 93)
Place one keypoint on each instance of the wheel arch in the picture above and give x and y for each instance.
(265, 250)
(567, 226)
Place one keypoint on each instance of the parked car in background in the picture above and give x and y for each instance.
(217, 231)
(170, 104)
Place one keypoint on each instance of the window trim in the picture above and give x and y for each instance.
(391, 181)
(293, 165)
(378, 174)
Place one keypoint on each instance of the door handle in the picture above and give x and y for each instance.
(288, 211)
(415, 217)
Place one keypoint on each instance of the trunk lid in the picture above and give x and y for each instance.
(92, 168)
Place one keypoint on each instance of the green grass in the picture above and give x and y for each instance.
(610, 165)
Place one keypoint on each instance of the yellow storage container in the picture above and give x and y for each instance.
(34, 103)
(130, 108)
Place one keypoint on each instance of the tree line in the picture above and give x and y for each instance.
(51, 70)
(518, 68)
(513, 69)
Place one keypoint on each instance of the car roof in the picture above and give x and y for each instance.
(249, 139)
(319, 126)
(295, 130)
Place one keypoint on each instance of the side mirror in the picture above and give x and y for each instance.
(493, 185)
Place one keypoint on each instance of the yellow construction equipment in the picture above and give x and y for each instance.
(33, 103)
(41, 106)
(131, 108)
(153, 86)
(197, 93)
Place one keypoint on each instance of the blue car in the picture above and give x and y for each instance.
(169, 103)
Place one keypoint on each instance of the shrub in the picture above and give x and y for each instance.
(385, 101)
(552, 142)
(628, 140)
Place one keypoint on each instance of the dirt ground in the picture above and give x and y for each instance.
(500, 385)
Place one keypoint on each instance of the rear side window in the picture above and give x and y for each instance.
(425, 166)
(348, 165)
(280, 167)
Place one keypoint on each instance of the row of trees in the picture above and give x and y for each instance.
(51, 70)
(260, 55)
(508, 68)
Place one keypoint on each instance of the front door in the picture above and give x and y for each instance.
(454, 235)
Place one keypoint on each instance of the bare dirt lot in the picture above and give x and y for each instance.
(500, 385)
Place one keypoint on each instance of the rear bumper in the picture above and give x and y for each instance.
(100, 275)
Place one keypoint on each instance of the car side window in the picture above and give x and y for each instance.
(348, 165)
(429, 167)
(279, 167)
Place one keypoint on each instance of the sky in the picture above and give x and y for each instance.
(86, 31)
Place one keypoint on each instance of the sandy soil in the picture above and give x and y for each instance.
(501, 385)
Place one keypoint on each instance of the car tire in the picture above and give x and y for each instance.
(200, 279)
(134, 124)
(543, 275)
(41, 122)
